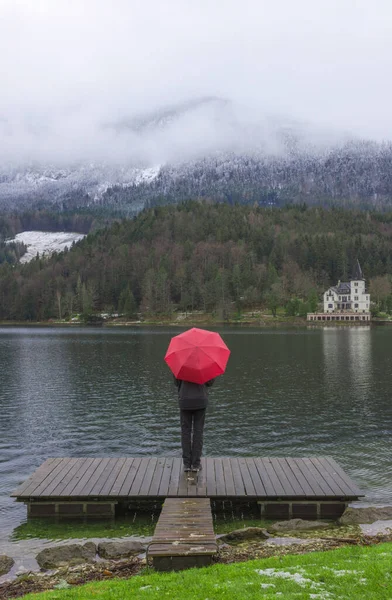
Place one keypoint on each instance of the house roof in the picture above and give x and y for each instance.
(357, 274)
(343, 287)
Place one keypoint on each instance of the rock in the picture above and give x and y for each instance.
(246, 533)
(298, 525)
(58, 556)
(377, 528)
(366, 514)
(289, 541)
(114, 550)
(6, 564)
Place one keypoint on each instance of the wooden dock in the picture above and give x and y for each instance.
(314, 487)
(184, 536)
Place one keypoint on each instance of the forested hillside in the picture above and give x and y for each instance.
(42, 220)
(209, 257)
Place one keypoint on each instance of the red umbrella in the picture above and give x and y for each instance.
(197, 355)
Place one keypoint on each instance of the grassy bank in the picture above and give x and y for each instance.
(349, 573)
(203, 320)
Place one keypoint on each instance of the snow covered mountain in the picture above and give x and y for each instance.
(206, 148)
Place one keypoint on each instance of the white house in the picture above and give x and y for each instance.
(346, 301)
(348, 296)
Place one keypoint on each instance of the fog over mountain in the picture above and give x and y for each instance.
(128, 103)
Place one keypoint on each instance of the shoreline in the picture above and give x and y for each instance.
(257, 322)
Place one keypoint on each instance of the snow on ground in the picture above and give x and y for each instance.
(45, 242)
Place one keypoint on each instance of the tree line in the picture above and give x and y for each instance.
(204, 256)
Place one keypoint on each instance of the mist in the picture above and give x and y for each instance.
(77, 76)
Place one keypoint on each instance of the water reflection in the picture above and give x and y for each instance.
(359, 412)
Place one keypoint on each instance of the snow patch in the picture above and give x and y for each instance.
(45, 242)
(297, 577)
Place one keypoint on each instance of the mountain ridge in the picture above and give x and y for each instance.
(207, 148)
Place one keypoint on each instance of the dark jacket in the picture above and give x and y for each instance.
(192, 396)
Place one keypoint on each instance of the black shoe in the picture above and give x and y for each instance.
(187, 469)
(196, 469)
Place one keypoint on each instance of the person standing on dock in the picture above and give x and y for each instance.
(193, 401)
(195, 357)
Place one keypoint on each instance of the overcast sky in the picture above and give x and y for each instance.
(66, 66)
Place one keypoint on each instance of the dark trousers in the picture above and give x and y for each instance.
(192, 425)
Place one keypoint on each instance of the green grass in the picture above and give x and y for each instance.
(349, 573)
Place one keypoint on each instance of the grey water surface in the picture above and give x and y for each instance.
(107, 392)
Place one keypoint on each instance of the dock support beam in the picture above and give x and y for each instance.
(71, 509)
(306, 509)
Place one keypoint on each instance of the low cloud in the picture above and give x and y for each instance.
(75, 75)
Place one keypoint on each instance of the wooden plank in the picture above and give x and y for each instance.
(237, 477)
(127, 483)
(37, 477)
(139, 476)
(184, 528)
(47, 488)
(286, 477)
(165, 479)
(91, 464)
(156, 480)
(291, 464)
(256, 479)
(201, 480)
(337, 472)
(148, 477)
(319, 478)
(246, 478)
(210, 477)
(34, 483)
(82, 464)
(277, 485)
(159, 477)
(174, 549)
(264, 476)
(228, 475)
(310, 478)
(340, 481)
(219, 477)
(56, 492)
(108, 470)
(183, 483)
(112, 476)
(121, 477)
(175, 477)
(192, 480)
(58, 470)
(336, 490)
(95, 477)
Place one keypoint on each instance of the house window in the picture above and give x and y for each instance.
(355, 297)
(344, 298)
(356, 305)
(356, 283)
(340, 297)
(330, 305)
(367, 305)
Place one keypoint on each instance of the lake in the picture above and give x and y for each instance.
(107, 392)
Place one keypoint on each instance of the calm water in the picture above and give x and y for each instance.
(107, 392)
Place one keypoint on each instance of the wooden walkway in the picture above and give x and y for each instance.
(106, 479)
(184, 536)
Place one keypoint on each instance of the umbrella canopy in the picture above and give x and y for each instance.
(197, 355)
